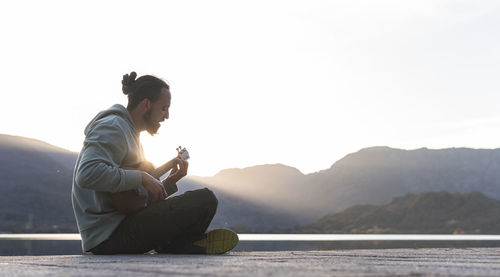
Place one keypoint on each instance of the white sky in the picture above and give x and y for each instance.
(301, 83)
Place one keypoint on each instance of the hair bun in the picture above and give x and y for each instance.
(127, 81)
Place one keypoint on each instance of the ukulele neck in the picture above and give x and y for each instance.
(159, 171)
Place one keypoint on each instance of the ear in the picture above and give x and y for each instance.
(146, 104)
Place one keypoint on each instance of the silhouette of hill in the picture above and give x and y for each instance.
(242, 214)
(35, 186)
(431, 212)
(267, 186)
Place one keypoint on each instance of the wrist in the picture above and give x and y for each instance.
(144, 177)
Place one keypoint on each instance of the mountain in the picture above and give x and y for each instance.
(271, 187)
(431, 212)
(376, 175)
(243, 215)
(35, 186)
(370, 176)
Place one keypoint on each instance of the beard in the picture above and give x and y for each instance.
(151, 126)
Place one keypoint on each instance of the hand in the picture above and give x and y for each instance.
(154, 187)
(178, 172)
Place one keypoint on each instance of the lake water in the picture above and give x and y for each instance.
(57, 244)
(296, 237)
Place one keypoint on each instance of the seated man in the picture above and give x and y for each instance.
(111, 147)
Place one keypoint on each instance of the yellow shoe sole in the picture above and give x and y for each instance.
(218, 241)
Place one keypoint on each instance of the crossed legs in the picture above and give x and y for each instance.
(162, 222)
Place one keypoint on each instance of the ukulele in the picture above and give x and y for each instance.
(129, 201)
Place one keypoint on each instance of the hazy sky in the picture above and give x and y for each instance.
(301, 83)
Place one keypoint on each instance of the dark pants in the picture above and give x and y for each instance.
(162, 222)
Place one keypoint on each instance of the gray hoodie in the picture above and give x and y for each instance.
(111, 142)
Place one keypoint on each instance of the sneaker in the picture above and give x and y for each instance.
(218, 241)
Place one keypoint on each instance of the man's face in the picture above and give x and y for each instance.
(158, 112)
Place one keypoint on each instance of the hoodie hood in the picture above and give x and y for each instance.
(118, 110)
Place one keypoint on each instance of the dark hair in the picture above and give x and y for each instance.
(146, 86)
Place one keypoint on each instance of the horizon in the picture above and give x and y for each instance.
(283, 164)
(300, 83)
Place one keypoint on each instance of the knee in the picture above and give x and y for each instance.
(209, 198)
(202, 198)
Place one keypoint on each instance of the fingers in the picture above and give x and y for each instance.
(178, 160)
(184, 168)
(159, 190)
(154, 187)
(163, 193)
(155, 192)
(178, 171)
(175, 169)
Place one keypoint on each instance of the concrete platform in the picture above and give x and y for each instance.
(380, 262)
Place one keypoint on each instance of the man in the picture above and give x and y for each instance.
(172, 225)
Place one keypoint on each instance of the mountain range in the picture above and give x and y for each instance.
(35, 185)
(430, 212)
(370, 176)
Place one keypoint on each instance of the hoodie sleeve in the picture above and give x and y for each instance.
(104, 149)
